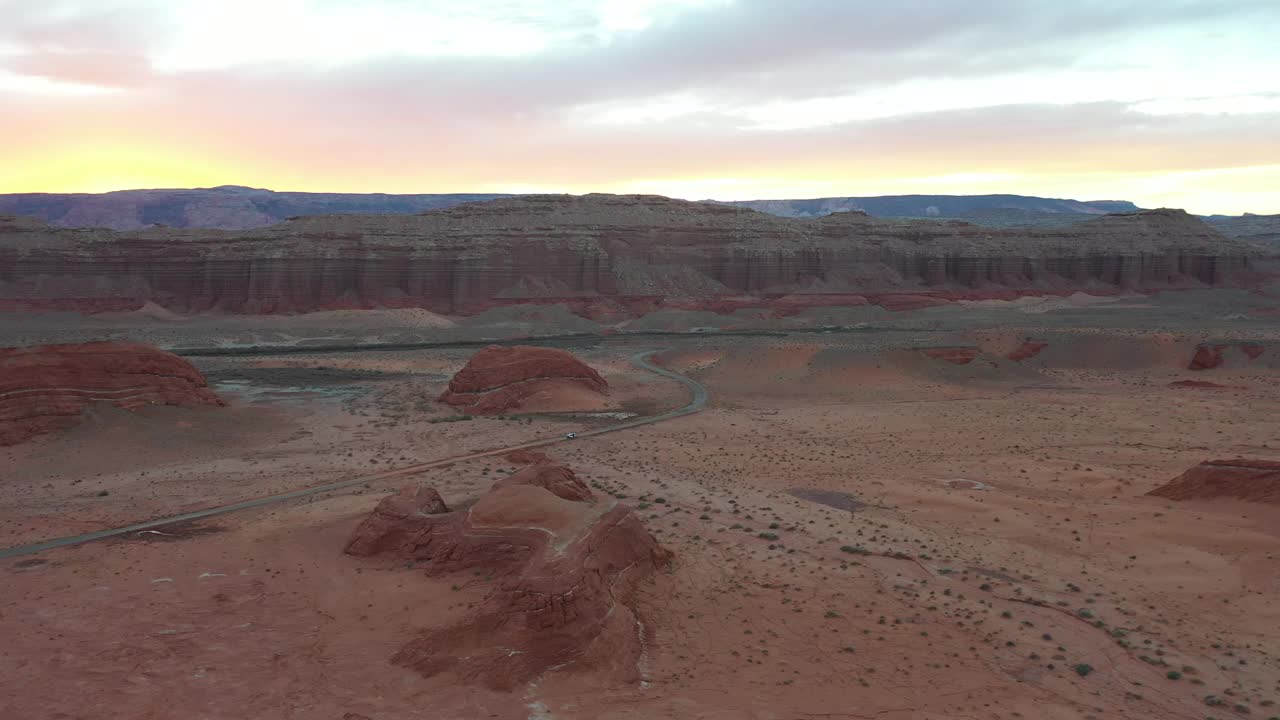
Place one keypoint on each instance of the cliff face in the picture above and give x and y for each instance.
(543, 248)
(45, 388)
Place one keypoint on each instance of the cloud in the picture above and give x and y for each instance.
(102, 44)
(104, 69)
(78, 26)
(340, 92)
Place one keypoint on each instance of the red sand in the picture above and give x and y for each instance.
(933, 600)
(953, 355)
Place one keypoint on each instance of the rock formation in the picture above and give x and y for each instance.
(45, 388)
(556, 479)
(400, 523)
(1251, 480)
(497, 379)
(1027, 350)
(1209, 356)
(601, 255)
(565, 575)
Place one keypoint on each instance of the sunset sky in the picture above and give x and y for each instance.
(1162, 102)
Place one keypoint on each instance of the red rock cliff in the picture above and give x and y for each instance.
(565, 248)
(45, 388)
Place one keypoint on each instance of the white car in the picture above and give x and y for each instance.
(570, 436)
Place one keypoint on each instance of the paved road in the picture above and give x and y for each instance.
(698, 401)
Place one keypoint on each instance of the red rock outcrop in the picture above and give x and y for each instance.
(953, 355)
(579, 250)
(1251, 480)
(566, 572)
(399, 523)
(1209, 356)
(558, 479)
(497, 379)
(45, 388)
(1027, 350)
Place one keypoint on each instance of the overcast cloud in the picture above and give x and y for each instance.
(696, 97)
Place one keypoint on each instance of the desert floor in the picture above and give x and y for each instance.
(860, 531)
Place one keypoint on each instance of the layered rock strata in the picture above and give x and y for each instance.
(45, 388)
(1250, 480)
(497, 379)
(607, 253)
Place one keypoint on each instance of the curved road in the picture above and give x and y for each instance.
(698, 402)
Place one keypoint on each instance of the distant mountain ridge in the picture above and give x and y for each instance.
(228, 207)
(1264, 229)
(923, 206)
(231, 207)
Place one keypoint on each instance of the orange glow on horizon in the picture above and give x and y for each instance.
(95, 166)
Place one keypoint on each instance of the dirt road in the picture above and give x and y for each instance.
(696, 403)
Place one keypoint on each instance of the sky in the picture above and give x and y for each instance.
(1168, 103)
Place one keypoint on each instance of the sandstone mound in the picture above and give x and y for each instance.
(1027, 350)
(399, 522)
(45, 388)
(557, 479)
(498, 379)
(1209, 356)
(567, 576)
(1251, 480)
